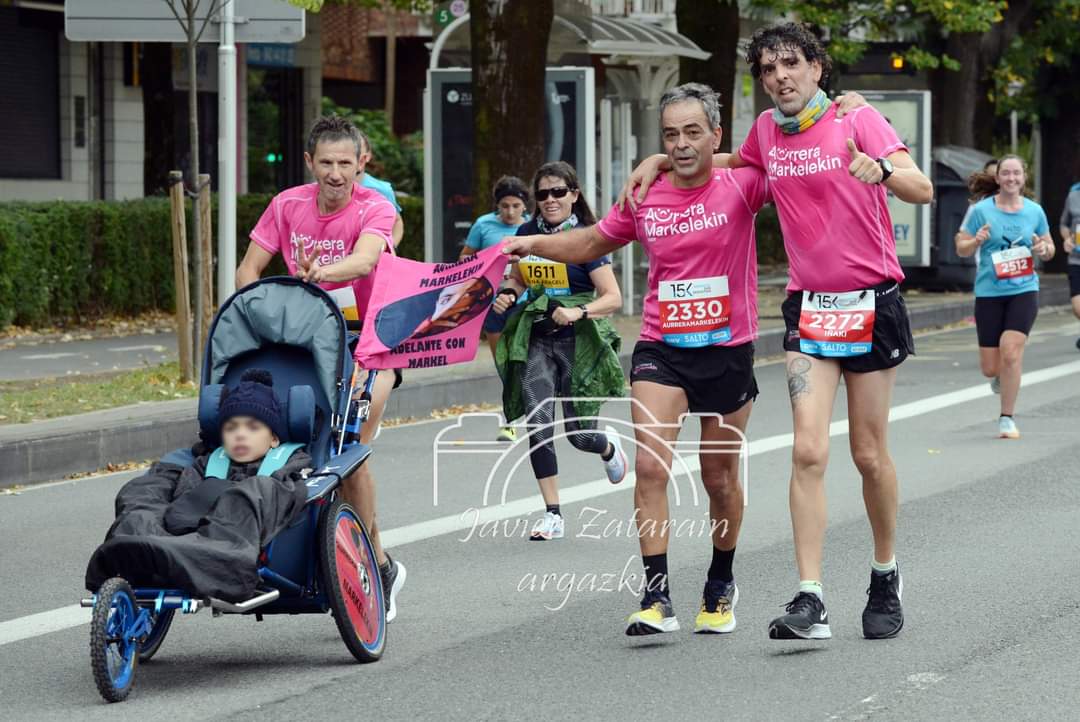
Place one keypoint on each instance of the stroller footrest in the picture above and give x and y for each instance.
(247, 606)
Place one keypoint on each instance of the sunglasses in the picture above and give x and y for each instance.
(556, 192)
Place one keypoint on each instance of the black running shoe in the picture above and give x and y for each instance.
(883, 617)
(806, 618)
(393, 579)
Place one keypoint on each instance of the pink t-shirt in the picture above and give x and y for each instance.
(292, 221)
(702, 257)
(837, 230)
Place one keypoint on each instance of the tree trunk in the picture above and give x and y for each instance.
(193, 126)
(509, 56)
(960, 91)
(714, 26)
(391, 60)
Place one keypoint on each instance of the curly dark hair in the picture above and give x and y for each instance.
(788, 36)
(331, 129)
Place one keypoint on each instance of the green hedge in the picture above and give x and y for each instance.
(62, 261)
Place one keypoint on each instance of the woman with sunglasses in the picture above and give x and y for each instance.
(570, 325)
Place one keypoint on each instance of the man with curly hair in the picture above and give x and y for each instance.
(844, 315)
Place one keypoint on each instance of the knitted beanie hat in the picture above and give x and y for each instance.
(254, 396)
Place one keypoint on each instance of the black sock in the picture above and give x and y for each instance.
(554, 509)
(1006, 416)
(385, 566)
(608, 455)
(656, 575)
(720, 569)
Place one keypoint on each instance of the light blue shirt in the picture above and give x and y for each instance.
(383, 187)
(488, 230)
(1007, 230)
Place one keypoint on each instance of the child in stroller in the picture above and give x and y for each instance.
(201, 528)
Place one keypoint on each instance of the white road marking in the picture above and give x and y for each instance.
(56, 620)
(49, 356)
(34, 625)
(145, 347)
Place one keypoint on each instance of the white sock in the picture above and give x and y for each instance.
(885, 568)
(811, 586)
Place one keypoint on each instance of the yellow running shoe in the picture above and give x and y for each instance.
(717, 615)
(508, 434)
(655, 617)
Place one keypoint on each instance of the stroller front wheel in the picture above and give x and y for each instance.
(114, 639)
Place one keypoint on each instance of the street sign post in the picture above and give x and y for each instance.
(257, 21)
(237, 21)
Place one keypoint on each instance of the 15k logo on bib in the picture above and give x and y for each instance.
(1013, 262)
(552, 276)
(836, 324)
(695, 312)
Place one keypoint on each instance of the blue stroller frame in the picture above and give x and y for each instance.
(324, 561)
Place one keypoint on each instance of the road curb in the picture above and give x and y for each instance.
(57, 448)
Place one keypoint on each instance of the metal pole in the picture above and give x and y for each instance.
(227, 153)
(1036, 159)
(1013, 132)
(627, 153)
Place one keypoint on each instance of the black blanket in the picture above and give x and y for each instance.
(175, 529)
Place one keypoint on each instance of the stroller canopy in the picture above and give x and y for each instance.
(280, 310)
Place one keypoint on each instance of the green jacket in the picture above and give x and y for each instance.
(596, 374)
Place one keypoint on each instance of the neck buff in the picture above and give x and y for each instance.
(566, 225)
(790, 125)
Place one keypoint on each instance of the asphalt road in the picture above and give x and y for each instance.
(989, 541)
(23, 361)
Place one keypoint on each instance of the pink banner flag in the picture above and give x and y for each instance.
(423, 315)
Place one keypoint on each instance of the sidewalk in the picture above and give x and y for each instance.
(52, 449)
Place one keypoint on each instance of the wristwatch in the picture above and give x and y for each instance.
(584, 312)
(886, 169)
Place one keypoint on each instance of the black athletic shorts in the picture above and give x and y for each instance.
(1074, 279)
(892, 340)
(996, 314)
(716, 379)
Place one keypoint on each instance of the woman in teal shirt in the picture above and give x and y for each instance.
(1005, 231)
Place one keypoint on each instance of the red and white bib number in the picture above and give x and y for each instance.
(837, 324)
(695, 312)
(1013, 262)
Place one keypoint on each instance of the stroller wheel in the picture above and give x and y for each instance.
(114, 644)
(157, 635)
(351, 579)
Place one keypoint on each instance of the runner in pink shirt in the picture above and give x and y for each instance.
(696, 351)
(332, 232)
(844, 316)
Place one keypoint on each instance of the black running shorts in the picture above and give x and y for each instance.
(892, 340)
(996, 314)
(716, 379)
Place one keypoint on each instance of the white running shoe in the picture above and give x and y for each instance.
(995, 384)
(1007, 428)
(550, 527)
(616, 465)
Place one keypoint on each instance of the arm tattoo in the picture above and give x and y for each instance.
(798, 378)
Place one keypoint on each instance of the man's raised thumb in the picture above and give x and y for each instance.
(852, 148)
